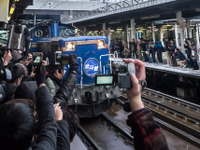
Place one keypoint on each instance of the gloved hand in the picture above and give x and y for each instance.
(73, 62)
(40, 74)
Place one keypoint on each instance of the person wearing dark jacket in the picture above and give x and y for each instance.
(159, 48)
(62, 91)
(17, 122)
(193, 56)
(133, 48)
(18, 71)
(180, 57)
(147, 133)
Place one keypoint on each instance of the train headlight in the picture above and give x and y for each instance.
(101, 44)
(70, 46)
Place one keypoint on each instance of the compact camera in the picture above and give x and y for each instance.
(37, 58)
(121, 75)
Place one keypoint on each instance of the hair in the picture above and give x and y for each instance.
(52, 69)
(73, 122)
(18, 70)
(16, 126)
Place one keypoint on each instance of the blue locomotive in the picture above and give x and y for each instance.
(87, 100)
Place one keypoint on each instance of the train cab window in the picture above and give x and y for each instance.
(41, 32)
(64, 32)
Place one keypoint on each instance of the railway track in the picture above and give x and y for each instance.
(104, 133)
(178, 116)
(175, 115)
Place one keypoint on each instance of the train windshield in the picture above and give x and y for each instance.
(64, 32)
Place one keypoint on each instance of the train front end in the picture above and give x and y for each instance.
(87, 99)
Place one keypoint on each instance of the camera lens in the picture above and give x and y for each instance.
(123, 69)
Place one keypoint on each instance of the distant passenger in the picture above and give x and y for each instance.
(139, 49)
(152, 50)
(117, 46)
(126, 51)
(192, 53)
(171, 48)
(159, 48)
(133, 48)
(144, 50)
(180, 57)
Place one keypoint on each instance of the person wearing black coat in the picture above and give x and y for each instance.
(62, 91)
(17, 122)
(133, 48)
(180, 57)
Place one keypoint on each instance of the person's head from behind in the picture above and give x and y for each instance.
(16, 126)
(18, 71)
(73, 122)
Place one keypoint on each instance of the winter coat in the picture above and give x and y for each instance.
(193, 50)
(147, 133)
(158, 47)
(62, 92)
(179, 55)
(47, 137)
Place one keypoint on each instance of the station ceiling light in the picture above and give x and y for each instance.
(12, 9)
(16, 0)
(9, 17)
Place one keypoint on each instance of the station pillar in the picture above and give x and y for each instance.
(127, 35)
(153, 32)
(189, 32)
(197, 37)
(84, 31)
(104, 28)
(161, 35)
(179, 32)
(133, 30)
(4, 6)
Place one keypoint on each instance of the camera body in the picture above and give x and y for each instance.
(37, 58)
(61, 59)
(14, 37)
(121, 75)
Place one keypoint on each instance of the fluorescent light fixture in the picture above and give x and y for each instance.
(12, 9)
(9, 17)
(150, 17)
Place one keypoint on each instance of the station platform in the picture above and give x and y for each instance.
(187, 72)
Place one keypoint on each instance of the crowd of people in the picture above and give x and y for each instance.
(35, 115)
(146, 50)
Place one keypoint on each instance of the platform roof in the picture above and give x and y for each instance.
(150, 10)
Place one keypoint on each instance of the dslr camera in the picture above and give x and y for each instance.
(121, 75)
(61, 59)
(14, 37)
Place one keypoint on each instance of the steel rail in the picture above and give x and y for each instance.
(87, 140)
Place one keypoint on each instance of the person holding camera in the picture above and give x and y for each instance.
(147, 133)
(62, 91)
(17, 122)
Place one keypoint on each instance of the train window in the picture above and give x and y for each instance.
(64, 32)
(41, 32)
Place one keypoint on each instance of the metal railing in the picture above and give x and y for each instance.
(115, 8)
